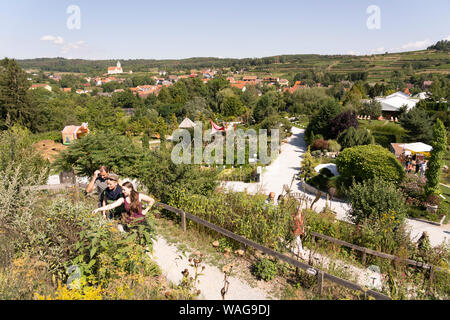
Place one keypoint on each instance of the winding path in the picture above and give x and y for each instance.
(286, 166)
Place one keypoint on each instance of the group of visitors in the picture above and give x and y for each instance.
(118, 201)
(416, 165)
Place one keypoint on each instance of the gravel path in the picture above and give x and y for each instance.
(287, 164)
(172, 262)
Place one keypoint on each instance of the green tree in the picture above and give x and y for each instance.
(102, 148)
(231, 106)
(418, 125)
(307, 165)
(433, 171)
(250, 96)
(371, 109)
(319, 123)
(125, 99)
(14, 100)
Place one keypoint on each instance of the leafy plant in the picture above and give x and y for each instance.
(373, 198)
(370, 161)
(265, 269)
(433, 171)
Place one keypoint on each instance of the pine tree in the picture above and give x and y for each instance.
(13, 93)
(306, 167)
(439, 144)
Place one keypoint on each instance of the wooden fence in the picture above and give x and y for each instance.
(366, 251)
(320, 274)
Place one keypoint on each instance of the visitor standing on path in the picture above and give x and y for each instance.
(299, 232)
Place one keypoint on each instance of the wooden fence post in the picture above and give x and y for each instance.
(183, 221)
(431, 273)
(320, 282)
(77, 187)
(364, 257)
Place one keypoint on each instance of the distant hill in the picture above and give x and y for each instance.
(436, 59)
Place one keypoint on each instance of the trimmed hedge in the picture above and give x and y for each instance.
(369, 161)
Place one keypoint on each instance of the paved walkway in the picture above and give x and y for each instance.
(286, 166)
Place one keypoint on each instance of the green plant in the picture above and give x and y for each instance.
(373, 198)
(265, 269)
(433, 199)
(369, 161)
(354, 137)
(307, 166)
(242, 213)
(433, 171)
(117, 152)
(334, 146)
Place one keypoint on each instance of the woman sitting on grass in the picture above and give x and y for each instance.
(132, 202)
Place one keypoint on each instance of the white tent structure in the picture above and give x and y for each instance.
(417, 147)
(186, 124)
(330, 166)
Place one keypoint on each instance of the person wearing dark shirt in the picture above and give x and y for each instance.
(132, 200)
(112, 193)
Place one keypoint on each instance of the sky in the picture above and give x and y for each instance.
(173, 29)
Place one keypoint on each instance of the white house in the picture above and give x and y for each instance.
(115, 70)
(395, 101)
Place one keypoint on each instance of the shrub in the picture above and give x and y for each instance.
(352, 137)
(16, 150)
(342, 122)
(241, 213)
(265, 269)
(307, 166)
(433, 200)
(334, 146)
(369, 161)
(384, 140)
(319, 181)
(316, 153)
(412, 188)
(373, 198)
(326, 172)
(320, 144)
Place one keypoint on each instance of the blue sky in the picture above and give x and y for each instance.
(197, 28)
